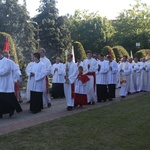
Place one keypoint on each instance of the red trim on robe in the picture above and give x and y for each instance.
(94, 75)
(47, 85)
(72, 90)
(17, 89)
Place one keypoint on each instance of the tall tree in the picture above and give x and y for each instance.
(132, 26)
(14, 18)
(93, 31)
(55, 36)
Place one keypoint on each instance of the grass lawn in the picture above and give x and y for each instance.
(123, 125)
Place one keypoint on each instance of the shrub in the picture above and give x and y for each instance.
(119, 52)
(79, 50)
(107, 50)
(142, 53)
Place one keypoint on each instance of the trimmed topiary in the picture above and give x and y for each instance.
(107, 50)
(119, 51)
(79, 51)
(142, 53)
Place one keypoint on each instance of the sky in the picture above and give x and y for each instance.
(106, 8)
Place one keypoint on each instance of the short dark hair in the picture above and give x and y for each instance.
(37, 55)
(125, 56)
(70, 55)
(88, 51)
(43, 50)
(108, 56)
(80, 67)
(102, 55)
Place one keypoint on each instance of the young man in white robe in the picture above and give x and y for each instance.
(102, 78)
(90, 67)
(18, 81)
(79, 62)
(47, 63)
(136, 75)
(112, 78)
(37, 77)
(125, 70)
(143, 76)
(8, 101)
(17, 76)
(28, 70)
(131, 83)
(57, 79)
(70, 73)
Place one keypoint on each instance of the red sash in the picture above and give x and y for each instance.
(92, 74)
(47, 85)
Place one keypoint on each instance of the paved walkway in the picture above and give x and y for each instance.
(58, 109)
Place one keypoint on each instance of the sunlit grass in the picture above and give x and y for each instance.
(120, 126)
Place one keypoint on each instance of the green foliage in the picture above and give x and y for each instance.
(142, 53)
(55, 36)
(14, 18)
(79, 50)
(119, 51)
(93, 31)
(12, 48)
(133, 26)
(107, 50)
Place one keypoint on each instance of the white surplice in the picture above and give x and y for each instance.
(28, 70)
(136, 76)
(143, 77)
(36, 81)
(112, 73)
(6, 76)
(101, 75)
(125, 76)
(72, 75)
(93, 67)
(131, 83)
(58, 76)
(47, 63)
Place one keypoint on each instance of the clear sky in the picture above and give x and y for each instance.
(108, 8)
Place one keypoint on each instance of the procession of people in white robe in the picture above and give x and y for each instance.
(97, 81)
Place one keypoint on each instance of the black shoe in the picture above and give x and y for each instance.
(20, 101)
(122, 96)
(93, 103)
(99, 101)
(1, 116)
(69, 108)
(110, 99)
(49, 105)
(129, 93)
(75, 106)
(11, 113)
